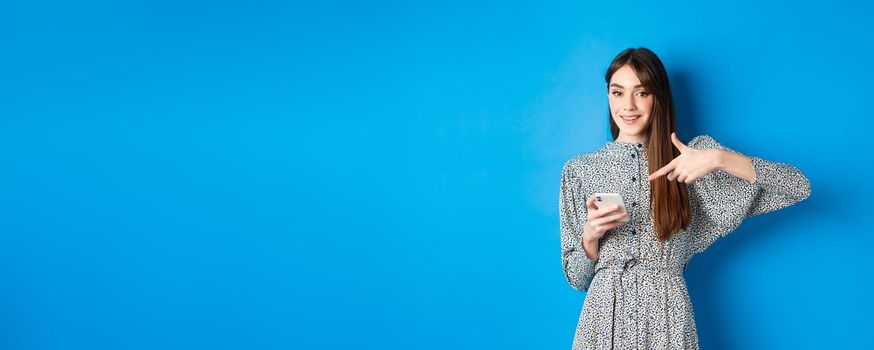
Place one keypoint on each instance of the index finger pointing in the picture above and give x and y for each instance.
(664, 170)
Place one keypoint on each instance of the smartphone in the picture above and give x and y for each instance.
(602, 199)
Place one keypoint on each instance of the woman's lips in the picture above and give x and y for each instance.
(631, 119)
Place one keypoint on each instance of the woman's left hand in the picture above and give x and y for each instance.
(690, 165)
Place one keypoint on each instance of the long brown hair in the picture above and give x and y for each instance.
(670, 202)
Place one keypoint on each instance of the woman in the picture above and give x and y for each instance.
(693, 194)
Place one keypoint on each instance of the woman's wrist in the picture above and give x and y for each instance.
(720, 157)
(586, 238)
(590, 246)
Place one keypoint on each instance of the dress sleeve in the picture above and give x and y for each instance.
(578, 268)
(721, 201)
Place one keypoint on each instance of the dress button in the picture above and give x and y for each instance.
(639, 145)
(633, 231)
(633, 155)
(633, 204)
(633, 178)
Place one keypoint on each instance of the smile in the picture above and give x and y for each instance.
(630, 119)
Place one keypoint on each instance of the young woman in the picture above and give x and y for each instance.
(680, 198)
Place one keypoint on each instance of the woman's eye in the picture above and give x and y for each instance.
(619, 93)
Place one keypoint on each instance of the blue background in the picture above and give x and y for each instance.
(384, 175)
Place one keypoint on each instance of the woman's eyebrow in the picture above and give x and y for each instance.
(622, 87)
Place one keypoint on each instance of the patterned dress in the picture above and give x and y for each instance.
(636, 293)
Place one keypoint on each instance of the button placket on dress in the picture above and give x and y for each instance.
(642, 173)
(635, 240)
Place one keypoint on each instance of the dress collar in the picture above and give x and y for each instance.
(639, 145)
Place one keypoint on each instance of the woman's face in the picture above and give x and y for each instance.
(630, 105)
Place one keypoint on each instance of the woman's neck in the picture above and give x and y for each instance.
(630, 139)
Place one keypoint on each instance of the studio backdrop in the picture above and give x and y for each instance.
(385, 175)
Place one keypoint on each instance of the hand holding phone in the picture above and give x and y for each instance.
(604, 211)
(607, 199)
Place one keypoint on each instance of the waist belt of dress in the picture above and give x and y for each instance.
(616, 268)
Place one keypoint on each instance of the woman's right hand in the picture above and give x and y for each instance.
(599, 220)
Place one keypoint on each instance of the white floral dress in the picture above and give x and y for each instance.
(636, 296)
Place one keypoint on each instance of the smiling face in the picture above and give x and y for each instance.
(630, 105)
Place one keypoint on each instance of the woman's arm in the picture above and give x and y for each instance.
(578, 268)
(735, 186)
(777, 185)
(771, 185)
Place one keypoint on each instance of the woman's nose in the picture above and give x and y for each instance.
(629, 103)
